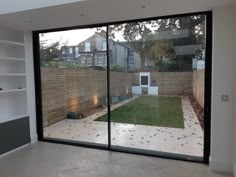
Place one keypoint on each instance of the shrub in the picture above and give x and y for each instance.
(168, 66)
(116, 68)
(180, 64)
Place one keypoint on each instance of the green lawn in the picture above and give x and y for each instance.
(150, 110)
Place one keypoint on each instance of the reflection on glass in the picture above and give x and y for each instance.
(157, 85)
(74, 85)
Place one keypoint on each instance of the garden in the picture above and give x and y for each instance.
(160, 111)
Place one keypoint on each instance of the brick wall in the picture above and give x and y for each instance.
(170, 83)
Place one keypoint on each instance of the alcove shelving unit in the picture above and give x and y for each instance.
(13, 91)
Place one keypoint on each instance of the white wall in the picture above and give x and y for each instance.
(30, 85)
(223, 82)
(234, 103)
(223, 140)
(222, 149)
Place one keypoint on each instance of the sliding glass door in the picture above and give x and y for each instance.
(74, 85)
(137, 86)
(158, 107)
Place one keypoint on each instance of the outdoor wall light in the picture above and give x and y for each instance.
(73, 104)
(95, 100)
(127, 91)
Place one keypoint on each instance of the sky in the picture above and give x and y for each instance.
(73, 37)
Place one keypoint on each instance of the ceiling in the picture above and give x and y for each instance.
(100, 11)
(11, 6)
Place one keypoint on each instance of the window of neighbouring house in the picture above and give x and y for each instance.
(83, 60)
(76, 51)
(101, 60)
(105, 60)
(63, 51)
(104, 45)
(71, 50)
(89, 60)
(131, 59)
(87, 46)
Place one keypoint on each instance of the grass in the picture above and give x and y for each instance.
(150, 110)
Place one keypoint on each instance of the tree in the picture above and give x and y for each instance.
(144, 36)
(49, 52)
(137, 30)
(156, 50)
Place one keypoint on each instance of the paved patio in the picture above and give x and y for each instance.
(188, 141)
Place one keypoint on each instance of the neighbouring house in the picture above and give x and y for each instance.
(93, 52)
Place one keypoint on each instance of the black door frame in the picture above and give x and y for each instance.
(207, 99)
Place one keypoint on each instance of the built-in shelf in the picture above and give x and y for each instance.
(12, 58)
(11, 43)
(13, 90)
(13, 96)
(12, 74)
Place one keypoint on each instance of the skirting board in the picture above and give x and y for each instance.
(14, 150)
(219, 166)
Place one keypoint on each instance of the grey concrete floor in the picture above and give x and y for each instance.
(54, 160)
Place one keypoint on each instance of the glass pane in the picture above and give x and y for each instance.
(74, 85)
(157, 85)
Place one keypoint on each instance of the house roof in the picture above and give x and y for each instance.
(103, 34)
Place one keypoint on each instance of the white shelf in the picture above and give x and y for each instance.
(13, 101)
(13, 90)
(11, 43)
(12, 58)
(12, 74)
